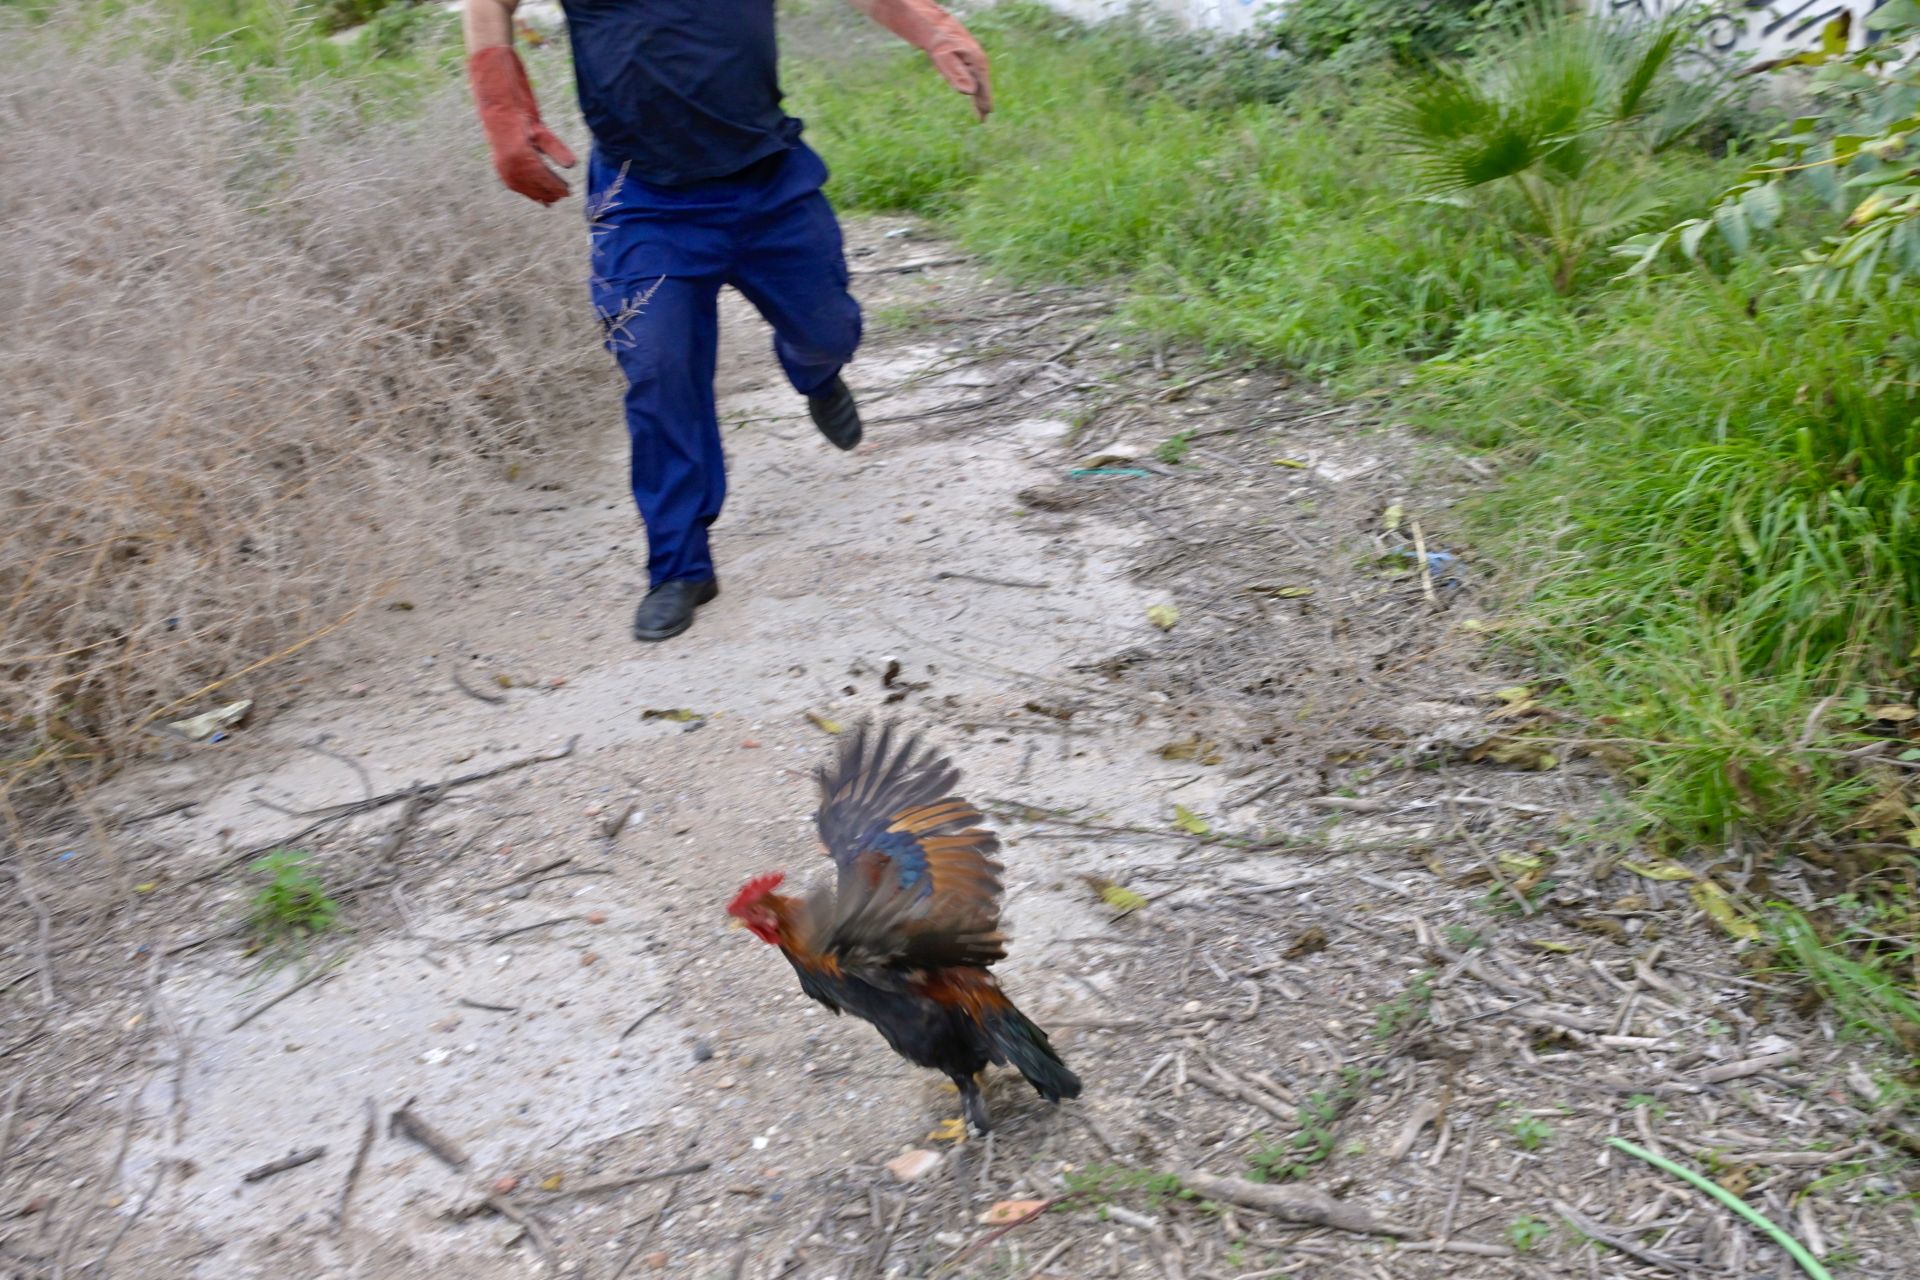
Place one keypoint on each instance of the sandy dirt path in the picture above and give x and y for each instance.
(1380, 954)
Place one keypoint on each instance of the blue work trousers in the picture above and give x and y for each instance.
(660, 257)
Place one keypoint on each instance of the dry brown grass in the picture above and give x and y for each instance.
(249, 358)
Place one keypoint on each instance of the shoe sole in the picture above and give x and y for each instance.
(655, 637)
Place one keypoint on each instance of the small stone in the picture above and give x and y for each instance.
(656, 1261)
(911, 1166)
(558, 682)
(596, 917)
(359, 690)
(590, 958)
(724, 1082)
(702, 1051)
(751, 744)
(504, 1184)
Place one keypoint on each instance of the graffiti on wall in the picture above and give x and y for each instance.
(1743, 32)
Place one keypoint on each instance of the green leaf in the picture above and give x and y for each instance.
(1122, 899)
(1691, 234)
(1189, 821)
(1732, 222)
(1893, 16)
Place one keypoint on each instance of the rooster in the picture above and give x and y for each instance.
(905, 934)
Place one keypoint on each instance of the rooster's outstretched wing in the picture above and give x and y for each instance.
(918, 884)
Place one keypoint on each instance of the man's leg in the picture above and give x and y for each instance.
(665, 334)
(792, 266)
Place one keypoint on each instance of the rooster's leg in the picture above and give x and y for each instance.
(973, 1104)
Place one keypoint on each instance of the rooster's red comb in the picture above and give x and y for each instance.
(754, 890)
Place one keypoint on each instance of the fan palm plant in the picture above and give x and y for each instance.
(1565, 114)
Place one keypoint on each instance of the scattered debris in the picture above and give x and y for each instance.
(207, 723)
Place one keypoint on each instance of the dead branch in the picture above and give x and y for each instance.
(292, 1160)
(407, 1123)
(1291, 1202)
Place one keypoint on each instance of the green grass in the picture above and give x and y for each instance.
(292, 905)
(276, 45)
(1710, 529)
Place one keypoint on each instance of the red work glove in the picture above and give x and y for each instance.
(955, 53)
(512, 121)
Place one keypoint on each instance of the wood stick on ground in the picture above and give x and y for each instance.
(496, 699)
(319, 975)
(1292, 1202)
(42, 936)
(6, 1123)
(1426, 570)
(292, 1160)
(640, 1021)
(606, 1185)
(516, 931)
(518, 1214)
(1613, 1240)
(407, 1123)
(367, 1134)
(646, 1237)
(1459, 1180)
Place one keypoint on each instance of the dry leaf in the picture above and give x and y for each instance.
(1122, 899)
(1010, 1211)
(1658, 870)
(1713, 900)
(823, 724)
(1292, 463)
(1311, 939)
(671, 713)
(1195, 749)
(1390, 518)
(1163, 616)
(1518, 753)
(1187, 820)
(1280, 593)
(1895, 712)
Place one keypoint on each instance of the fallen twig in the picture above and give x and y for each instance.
(321, 974)
(606, 1185)
(1600, 1235)
(1746, 1067)
(1291, 1202)
(638, 1022)
(1179, 389)
(292, 1160)
(42, 936)
(945, 575)
(496, 699)
(359, 1162)
(516, 1213)
(516, 931)
(653, 1224)
(335, 813)
(407, 1123)
(907, 268)
(1808, 1263)
(1426, 570)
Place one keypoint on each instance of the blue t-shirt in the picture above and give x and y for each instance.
(679, 90)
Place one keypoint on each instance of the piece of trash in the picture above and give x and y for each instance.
(1189, 821)
(1131, 473)
(1011, 1211)
(678, 714)
(1111, 454)
(911, 1166)
(823, 724)
(208, 723)
(1280, 593)
(1163, 616)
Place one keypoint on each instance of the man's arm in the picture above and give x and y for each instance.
(955, 53)
(507, 110)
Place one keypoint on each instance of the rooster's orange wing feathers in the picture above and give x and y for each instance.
(918, 884)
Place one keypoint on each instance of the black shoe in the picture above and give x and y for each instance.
(835, 413)
(668, 608)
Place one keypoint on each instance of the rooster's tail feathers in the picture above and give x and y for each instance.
(1018, 1043)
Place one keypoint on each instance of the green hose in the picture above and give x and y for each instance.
(1808, 1263)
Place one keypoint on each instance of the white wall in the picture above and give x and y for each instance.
(1739, 33)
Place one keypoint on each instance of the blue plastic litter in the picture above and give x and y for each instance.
(1132, 473)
